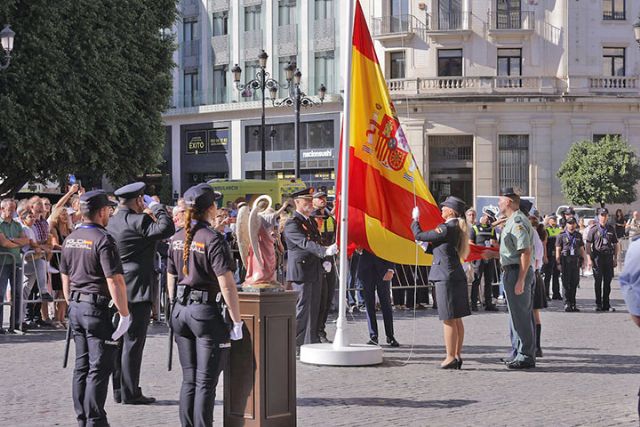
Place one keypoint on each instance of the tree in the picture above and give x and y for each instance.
(85, 90)
(599, 173)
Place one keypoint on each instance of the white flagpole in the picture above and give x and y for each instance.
(340, 339)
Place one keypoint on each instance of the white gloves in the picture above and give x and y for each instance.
(415, 213)
(327, 266)
(423, 245)
(123, 326)
(149, 201)
(236, 332)
(331, 250)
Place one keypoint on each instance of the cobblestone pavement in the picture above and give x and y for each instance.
(588, 376)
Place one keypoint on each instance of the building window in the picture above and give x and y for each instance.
(513, 162)
(449, 14)
(449, 62)
(281, 137)
(613, 9)
(317, 135)
(191, 89)
(250, 72)
(283, 62)
(508, 15)
(399, 15)
(253, 18)
(509, 62)
(613, 62)
(220, 24)
(286, 12)
(220, 85)
(324, 71)
(397, 65)
(324, 9)
(190, 30)
(597, 137)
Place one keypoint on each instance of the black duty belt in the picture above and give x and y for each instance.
(96, 299)
(186, 294)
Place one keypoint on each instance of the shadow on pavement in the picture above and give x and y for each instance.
(384, 402)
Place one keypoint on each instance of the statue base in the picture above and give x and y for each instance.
(262, 287)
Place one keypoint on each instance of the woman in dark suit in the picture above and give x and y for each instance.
(450, 244)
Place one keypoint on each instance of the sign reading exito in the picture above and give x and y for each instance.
(207, 141)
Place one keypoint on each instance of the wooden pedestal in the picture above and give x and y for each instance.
(260, 380)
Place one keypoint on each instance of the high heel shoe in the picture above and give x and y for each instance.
(459, 363)
(451, 365)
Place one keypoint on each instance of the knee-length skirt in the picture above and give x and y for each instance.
(453, 299)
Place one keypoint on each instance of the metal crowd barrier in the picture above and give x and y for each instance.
(14, 286)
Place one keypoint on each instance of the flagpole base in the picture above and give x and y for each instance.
(351, 355)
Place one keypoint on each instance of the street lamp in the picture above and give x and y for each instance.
(298, 99)
(6, 39)
(262, 82)
(636, 29)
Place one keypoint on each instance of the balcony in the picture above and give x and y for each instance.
(511, 24)
(465, 86)
(449, 24)
(287, 40)
(216, 6)
(398, 27)
(220, 47)
(324, 38)
(614, 84)
(252, 44)
(191, 54)
(190, 8)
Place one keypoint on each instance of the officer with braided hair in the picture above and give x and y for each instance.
(200, 261)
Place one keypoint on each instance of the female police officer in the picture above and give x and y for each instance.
(201, 260)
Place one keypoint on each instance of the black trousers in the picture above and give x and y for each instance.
(373, 285)
(570, 278)
(307, 309)
(486, 270)
(202, 338)
(126, 374)
(92, 328)
(550, 271)
(602, 276)
(326, 298)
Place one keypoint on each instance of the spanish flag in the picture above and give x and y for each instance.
(384, 182)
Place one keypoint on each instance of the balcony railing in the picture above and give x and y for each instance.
(220, 46)
(481, 85)
(613, 83)
(512, 20)
(287, 40)
(216, 6)
(324, 38)
(397, 25)
(449, 21)
(252, 44)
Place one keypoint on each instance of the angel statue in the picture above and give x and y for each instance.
(256, 243)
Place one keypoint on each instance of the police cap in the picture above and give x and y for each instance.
(201, 196)
(454, 203)
(571, 221)
(490, 215)
(569, 211)
(525, 206)
(319, 194)
(307, 193)
(508, 192)
(603, 211)
(130, 191)
(93, 200)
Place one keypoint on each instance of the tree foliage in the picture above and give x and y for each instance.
(85, 90)
(599, 173)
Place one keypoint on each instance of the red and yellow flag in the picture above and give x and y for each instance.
(384, 180)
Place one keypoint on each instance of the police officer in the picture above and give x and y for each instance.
(92, 277)
(569, 252)
(602, 253)
(516, 258)
(482, 234)
(200, 261)
(304, 265)
(136, 234)
(326, 226)
(551, 268)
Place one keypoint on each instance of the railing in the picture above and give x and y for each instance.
(449, 21)
(218, 6)
(397, 25)
(287, 40)
(471, 85)
(324, 38)
(220, 47)
(613, 83)
(512, 20)
(611, 15)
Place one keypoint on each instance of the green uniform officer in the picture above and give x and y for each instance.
(516, 258)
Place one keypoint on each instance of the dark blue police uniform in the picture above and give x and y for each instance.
(602, 242)
(89, 256)
(197, 319)
(136, 235)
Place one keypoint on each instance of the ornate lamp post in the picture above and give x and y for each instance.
(6, 39)
(636, 30)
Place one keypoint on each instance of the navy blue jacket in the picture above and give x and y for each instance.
(304, 253)
(446, 261)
